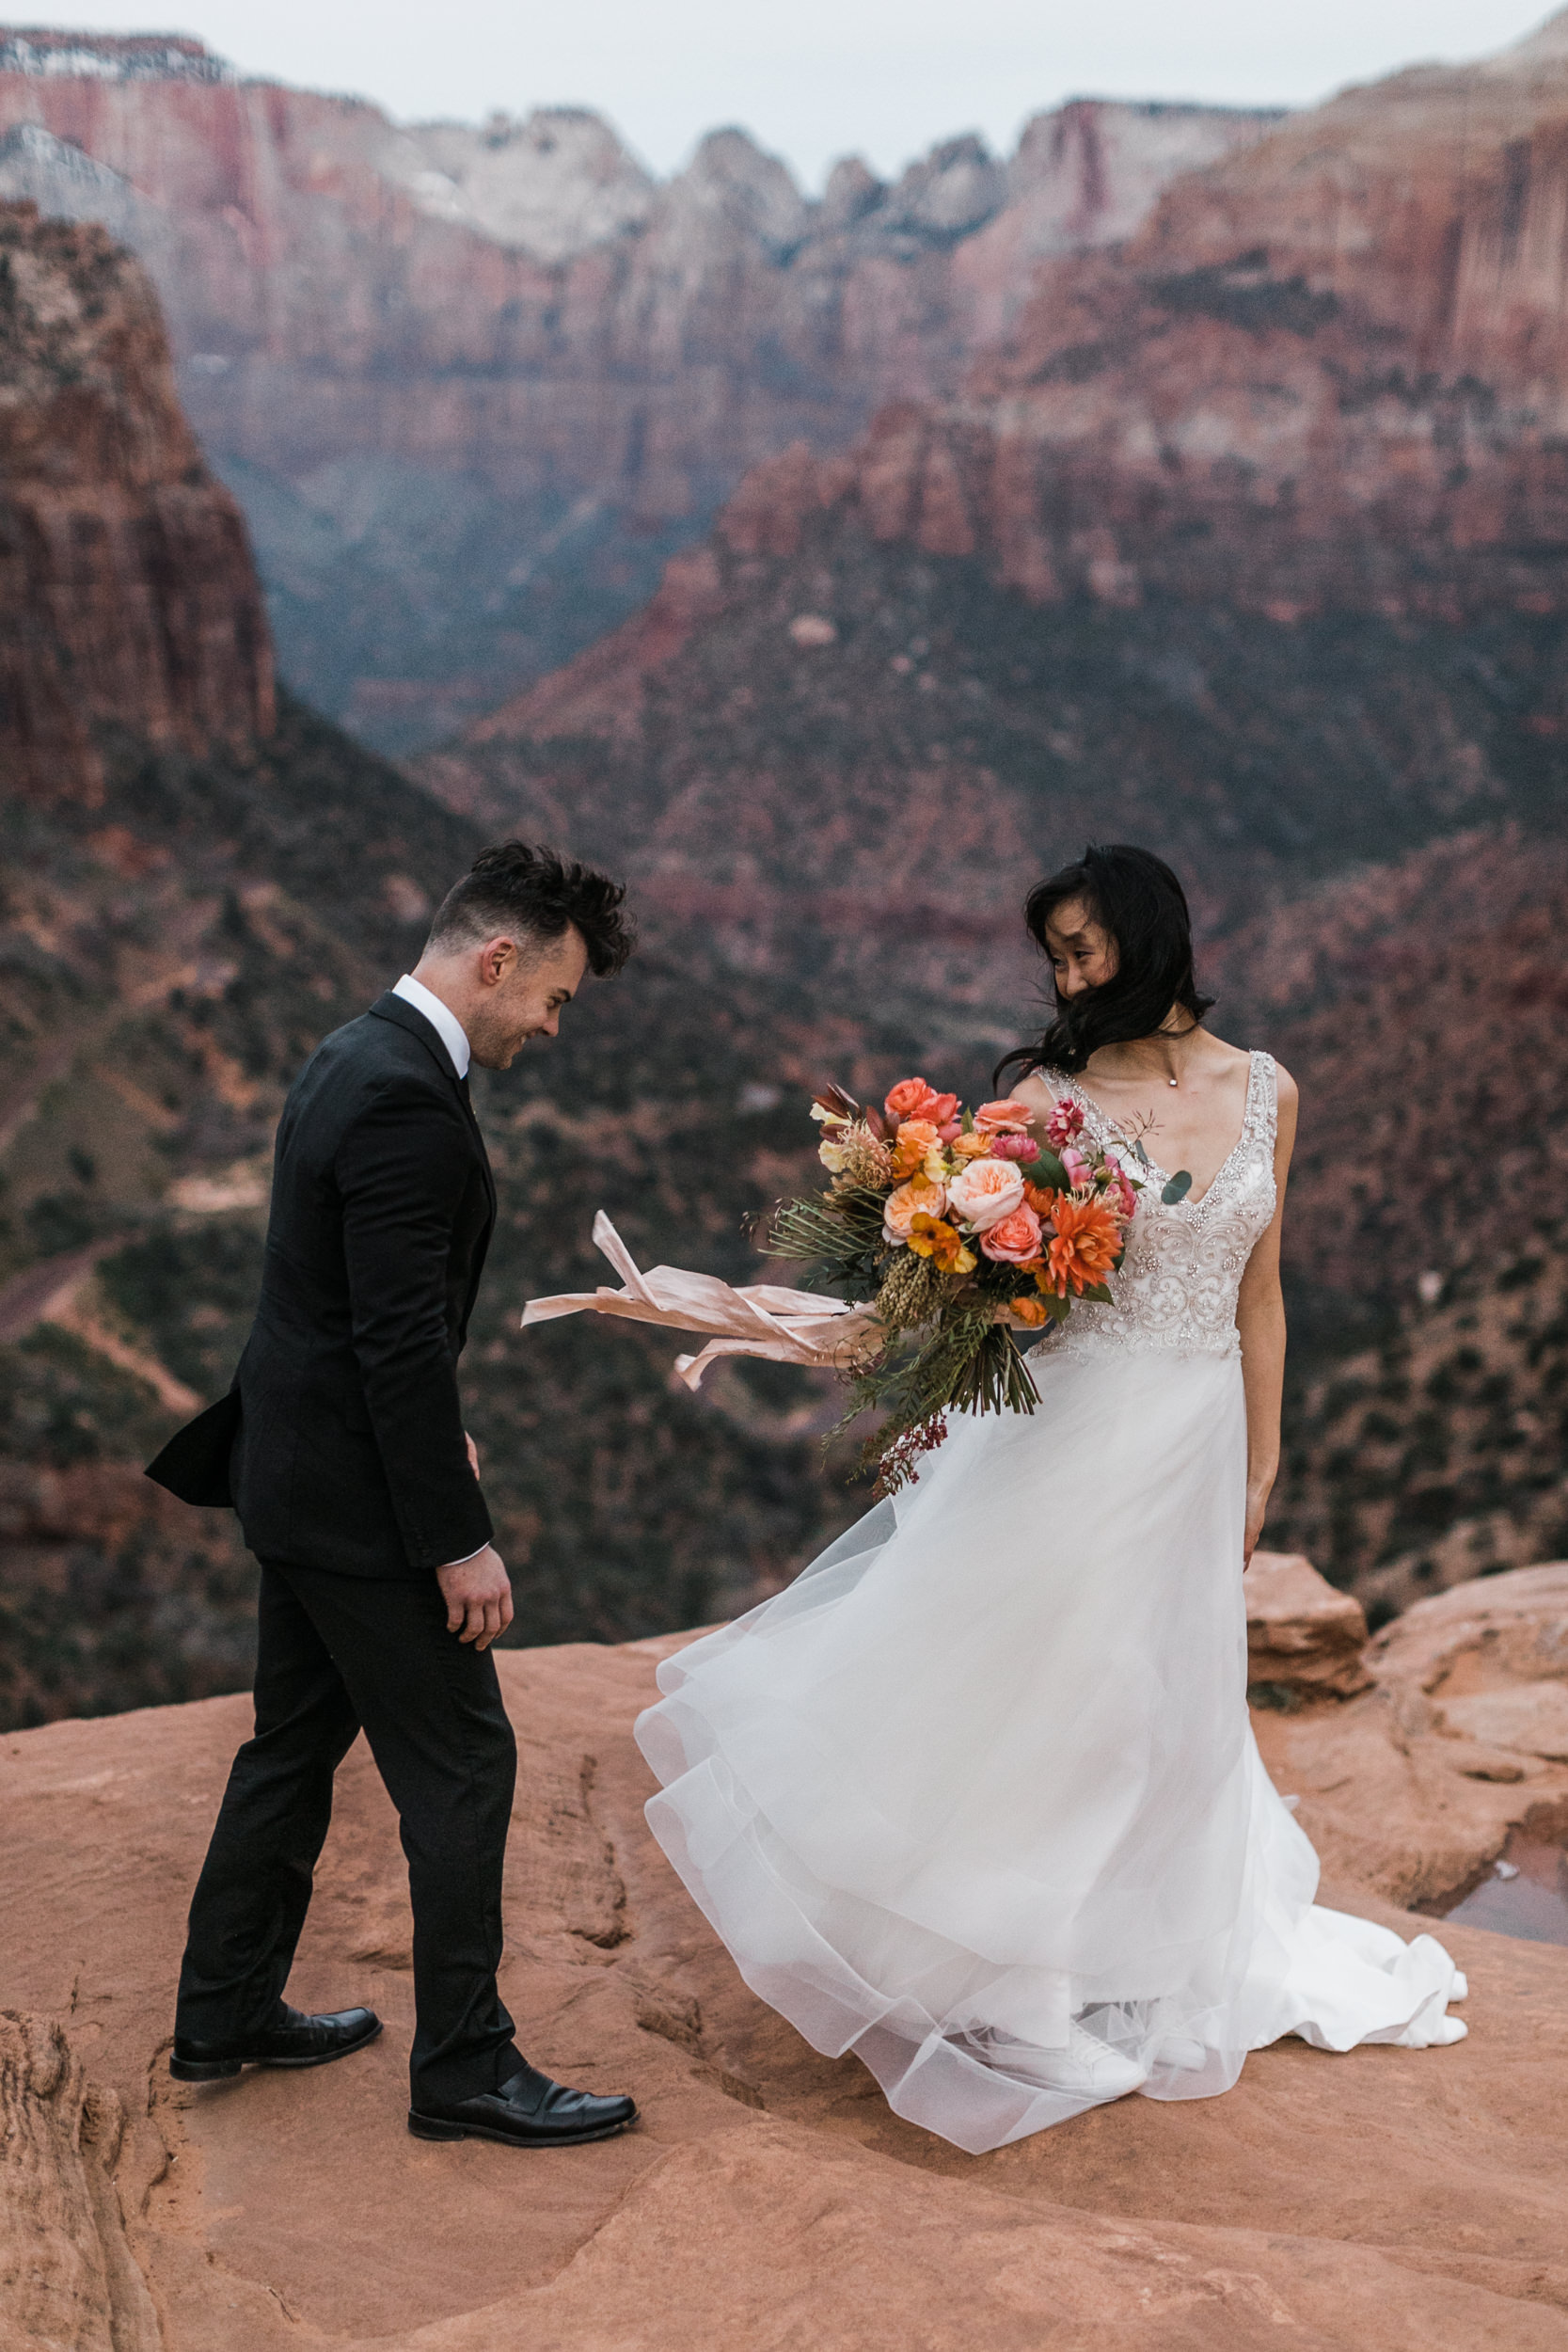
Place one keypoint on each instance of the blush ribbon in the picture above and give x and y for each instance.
(788, 1327)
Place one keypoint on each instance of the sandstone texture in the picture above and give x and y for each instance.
(126, 592)
(1302, 1635)
(474, 385)
(1389, 2199)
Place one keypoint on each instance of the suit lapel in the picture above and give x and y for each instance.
(403, 1016)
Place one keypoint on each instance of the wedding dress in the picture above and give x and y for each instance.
(978, 1796)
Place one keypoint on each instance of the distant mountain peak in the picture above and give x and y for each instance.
(109, 57)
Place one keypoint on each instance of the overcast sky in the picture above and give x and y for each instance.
(814, 79)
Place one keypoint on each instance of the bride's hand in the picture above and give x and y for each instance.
(1257, 1510)
(478, 1593)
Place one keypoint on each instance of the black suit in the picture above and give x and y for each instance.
(341, 1445)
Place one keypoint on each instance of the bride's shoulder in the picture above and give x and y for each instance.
(1034, 1093)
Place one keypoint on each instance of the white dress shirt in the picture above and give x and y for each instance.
(442, 1019)
(454, 1037)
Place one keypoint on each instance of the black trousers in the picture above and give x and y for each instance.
(336, 1653)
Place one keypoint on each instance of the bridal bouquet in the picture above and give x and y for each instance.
(944, 1236)
(961, 1232)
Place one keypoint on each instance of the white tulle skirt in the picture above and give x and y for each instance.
(981, 1782)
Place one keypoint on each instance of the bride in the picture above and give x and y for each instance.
(978, 1796)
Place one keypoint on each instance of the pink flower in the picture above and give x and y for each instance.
(1120, 1192)
(997, 1117)
(949, 1127)
(1014, 1147)
(915, 1098)
(985, 1191)
(1064, 1125)
(1077, 1166)
(1013, 1239)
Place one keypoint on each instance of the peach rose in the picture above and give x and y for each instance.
(1030, 1311)
(920, 1196)
(974, 1146)
(1013, 1239)
(997, 1117)
(985, 1191)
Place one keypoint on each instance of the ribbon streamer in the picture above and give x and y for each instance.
(787, 1327)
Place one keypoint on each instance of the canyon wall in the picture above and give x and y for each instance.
(474, 386)
(1249, 542)
(127, 596)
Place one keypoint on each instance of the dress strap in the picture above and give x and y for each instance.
(1262, 1098)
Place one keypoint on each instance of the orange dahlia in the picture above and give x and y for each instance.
(1084, 1249)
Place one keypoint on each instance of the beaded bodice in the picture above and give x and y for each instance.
(1178, 1284)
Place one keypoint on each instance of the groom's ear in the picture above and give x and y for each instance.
(497, 957)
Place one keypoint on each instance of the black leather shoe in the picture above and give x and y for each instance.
(530, 2111)
(295, 2041)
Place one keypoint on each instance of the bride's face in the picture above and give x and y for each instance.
(1082, 952)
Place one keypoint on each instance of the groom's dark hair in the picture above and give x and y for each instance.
(512, 887)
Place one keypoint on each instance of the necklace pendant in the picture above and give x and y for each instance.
(1170, 1082)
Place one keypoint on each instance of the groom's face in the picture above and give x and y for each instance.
(527, 984)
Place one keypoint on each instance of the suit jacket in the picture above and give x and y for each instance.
(341, 1442)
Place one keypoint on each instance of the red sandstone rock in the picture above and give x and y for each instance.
(1302, 1635)
(1385, 2201)
(126, 592)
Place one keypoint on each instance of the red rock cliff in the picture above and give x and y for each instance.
(475, 383)
(1329, 373)
(127, 596)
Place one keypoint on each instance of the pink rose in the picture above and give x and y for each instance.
(996, 1117)
(949, 1127)
(985, 1191)
(1078, 1170)
(1064, 1125)
(921, 1197)
(1013, 1239)
(1014, 1147)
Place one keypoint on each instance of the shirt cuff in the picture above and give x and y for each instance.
(464, 1562)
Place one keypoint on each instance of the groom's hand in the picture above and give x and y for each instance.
(478, 1593)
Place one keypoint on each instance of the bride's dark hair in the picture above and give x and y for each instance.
(1133, 895)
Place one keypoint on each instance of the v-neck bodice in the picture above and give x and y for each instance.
(1177, 1285)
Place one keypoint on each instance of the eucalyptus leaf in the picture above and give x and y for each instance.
(1179, 1187)
(1139, 1154)
(1048, 1172)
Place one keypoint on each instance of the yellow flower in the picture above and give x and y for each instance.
(933, 1237)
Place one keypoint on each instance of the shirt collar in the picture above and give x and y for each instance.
(441, 1017)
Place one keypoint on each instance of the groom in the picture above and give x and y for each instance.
(341, 1445)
